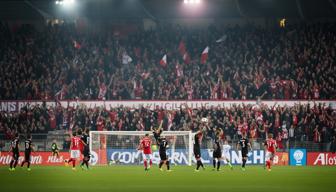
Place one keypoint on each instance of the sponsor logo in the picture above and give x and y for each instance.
(298, 157)
(316, 158)
(181, 157)
(37, 158)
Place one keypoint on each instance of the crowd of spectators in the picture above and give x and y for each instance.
(249, 62)
(288, 124)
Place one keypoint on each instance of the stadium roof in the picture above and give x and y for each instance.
(163, 9)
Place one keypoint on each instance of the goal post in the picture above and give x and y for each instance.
(120, 147)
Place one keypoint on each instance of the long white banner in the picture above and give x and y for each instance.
(12, 106)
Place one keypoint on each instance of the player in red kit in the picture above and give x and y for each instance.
(145, 146)
(270, 147)
(75, 147)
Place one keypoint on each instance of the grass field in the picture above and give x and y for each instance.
(182, 178)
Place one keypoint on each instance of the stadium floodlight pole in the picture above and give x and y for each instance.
(94, 140)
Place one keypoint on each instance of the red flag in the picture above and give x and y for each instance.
(182, 48)
(204, 56)
(163, 61)
(186, 58)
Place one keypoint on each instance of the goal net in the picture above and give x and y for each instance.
(121, 147)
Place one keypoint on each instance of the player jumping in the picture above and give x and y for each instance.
(86, 150)
(270, 147)
(145, 145)
(157, 132)
(28, 150)
(74, 149)
(245, 145)
(163, 145)
(14, 148)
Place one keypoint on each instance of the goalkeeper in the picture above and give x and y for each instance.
(54, 149)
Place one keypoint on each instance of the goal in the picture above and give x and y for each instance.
(120, 147)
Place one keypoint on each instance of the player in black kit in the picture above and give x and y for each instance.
(197, 149)
(14, 148)
(86, 150)
(163, 145)
(217, 153)
(157, 133)
(244, 144)
(28, 150)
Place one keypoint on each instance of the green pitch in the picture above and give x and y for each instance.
(182, 178)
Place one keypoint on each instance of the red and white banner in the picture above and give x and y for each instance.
(320, 158)
(37, 158)
(13, 106)
(46, 158)
(281, 158)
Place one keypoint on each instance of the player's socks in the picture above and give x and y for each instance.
(218, 165)
(229, 163)
(87, 164)
(244, 162)
(267, 164)
(73, 163)
(23, 162)
(11, 164)
(198, 164)
(214, 163)
(15, 164)
(150, 163)
(202, 165)
(28, 165)
(168, 165)
(145, 164)
(160, 165)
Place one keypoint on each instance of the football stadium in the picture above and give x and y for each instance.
(167, 95)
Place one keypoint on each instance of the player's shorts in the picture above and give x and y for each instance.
(27, 155)
(74, 154)
(146, 156)
(16, 155)
(269, 156)
(217, 154)
(197, 153)
(244, 153)
(163, 156)
(86, 153)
